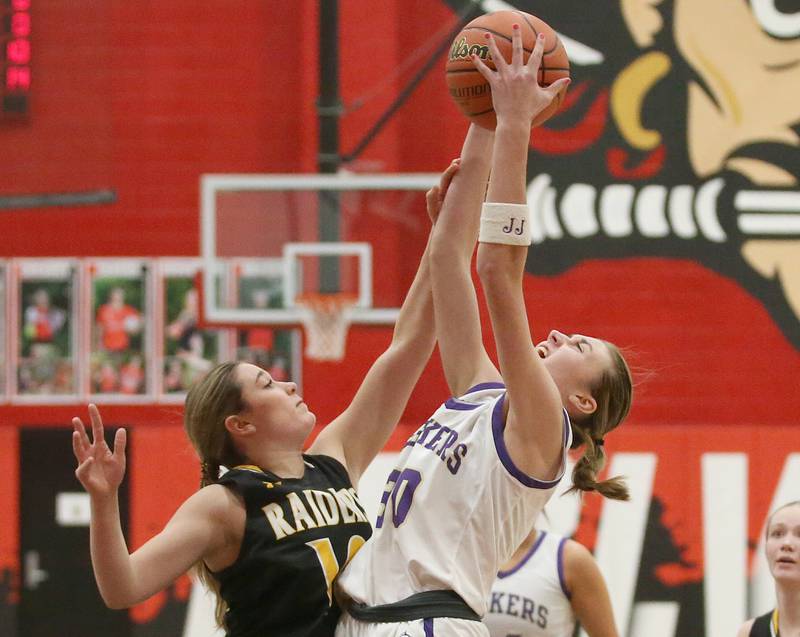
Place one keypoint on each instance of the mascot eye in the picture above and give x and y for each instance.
(774, 21)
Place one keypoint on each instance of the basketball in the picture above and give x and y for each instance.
(469, 89)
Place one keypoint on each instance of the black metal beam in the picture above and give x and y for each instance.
(329, 111)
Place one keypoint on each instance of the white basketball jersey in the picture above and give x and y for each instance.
(531, 599)
(454, 509)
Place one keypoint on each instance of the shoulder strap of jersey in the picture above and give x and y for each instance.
(330, 465)
(766, 625)
(245, 474)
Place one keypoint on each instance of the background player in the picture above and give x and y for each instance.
(783, 556)
(548, 584)
(471, 481)
(276, 528)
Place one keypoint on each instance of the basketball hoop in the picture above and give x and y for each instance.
(325, 321)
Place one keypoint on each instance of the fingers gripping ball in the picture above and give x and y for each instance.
(469, 88)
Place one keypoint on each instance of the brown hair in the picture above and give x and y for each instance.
(614, 394)
(780, 508)
(208, 403)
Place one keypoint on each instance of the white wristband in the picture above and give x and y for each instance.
(505, 223)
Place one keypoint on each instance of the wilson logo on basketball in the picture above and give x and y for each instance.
(470, 89)
(462, 50)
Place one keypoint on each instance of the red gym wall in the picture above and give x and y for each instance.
(144, 97)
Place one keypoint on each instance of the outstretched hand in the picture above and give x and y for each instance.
(516, 93)
(100, 470)
(434, 198)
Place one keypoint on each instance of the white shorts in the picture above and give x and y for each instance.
(439, 627)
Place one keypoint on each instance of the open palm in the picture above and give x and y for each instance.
(516, 92)
(100, 470)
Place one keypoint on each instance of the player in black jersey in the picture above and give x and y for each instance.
(271, 534)
(783, 557)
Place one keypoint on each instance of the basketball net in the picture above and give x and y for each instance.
(325, 322)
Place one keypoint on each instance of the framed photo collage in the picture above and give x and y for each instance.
(126, 330)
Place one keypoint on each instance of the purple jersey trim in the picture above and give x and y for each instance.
(525, 558)
(454, 403)
(461, 405)
(427, 626)
(560, 561)
(483, 386)
(499, 425)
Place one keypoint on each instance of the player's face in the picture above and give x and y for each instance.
(783, 544)
(575, 361)
(274, 406)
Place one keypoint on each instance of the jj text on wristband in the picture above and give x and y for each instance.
(506, 223)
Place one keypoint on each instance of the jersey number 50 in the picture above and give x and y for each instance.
(399, 489)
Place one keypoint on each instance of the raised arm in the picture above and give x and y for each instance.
(534, 417)
(590, 600)
(360, 432)
(195, 532)
(458, 327)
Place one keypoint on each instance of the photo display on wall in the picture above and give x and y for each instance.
(128, 330)
(258, 284)
(186, 352)
(45, 323)
(3, 333)
(120, 330)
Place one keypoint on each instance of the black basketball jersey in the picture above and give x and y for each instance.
(299, 533)
(763, 626)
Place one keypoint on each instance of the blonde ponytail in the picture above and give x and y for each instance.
(589, 465)
(614, 395)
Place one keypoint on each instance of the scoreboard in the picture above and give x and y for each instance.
(15, 56)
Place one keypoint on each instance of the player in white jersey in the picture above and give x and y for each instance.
(471, 481)
(549, 584)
